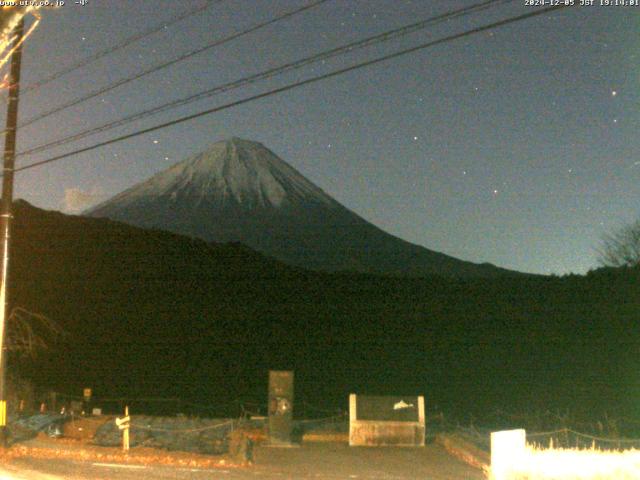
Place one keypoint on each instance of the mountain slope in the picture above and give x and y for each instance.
(240, 191)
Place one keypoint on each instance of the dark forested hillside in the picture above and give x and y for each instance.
(153, 313)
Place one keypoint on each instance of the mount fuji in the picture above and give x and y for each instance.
(240, 191)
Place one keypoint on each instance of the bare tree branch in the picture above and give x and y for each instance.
(30, 333)
(622, 248)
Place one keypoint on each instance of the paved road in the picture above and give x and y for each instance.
(313, 461)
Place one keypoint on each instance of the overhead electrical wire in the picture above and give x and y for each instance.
(297, 84)
(119, 46)
(163, 65)
(272, 72)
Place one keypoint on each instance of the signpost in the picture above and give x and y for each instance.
(86, 401)
(124, 424)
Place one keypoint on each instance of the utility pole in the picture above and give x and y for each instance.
(5, 215)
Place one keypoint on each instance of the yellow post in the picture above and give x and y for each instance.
(3, 413)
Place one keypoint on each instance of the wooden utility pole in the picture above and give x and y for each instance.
(5, 215)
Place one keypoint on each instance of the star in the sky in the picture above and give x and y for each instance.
(614, 93)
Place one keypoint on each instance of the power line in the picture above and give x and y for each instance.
(180, 58)
(348, 48)
(291, 86)
(119, 46)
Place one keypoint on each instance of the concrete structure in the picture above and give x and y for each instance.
(280, 407)
(508, 450)
(386, 421)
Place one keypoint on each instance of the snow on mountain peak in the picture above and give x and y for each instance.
(240, 191)
(235, 170)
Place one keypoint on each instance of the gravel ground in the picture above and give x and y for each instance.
(330, 461)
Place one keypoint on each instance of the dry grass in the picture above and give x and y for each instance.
(84, 428)
(83, 451)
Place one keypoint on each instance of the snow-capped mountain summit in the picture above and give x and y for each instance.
(240, 191)
(236, 171)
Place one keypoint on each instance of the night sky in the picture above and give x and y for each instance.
(517, 146)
